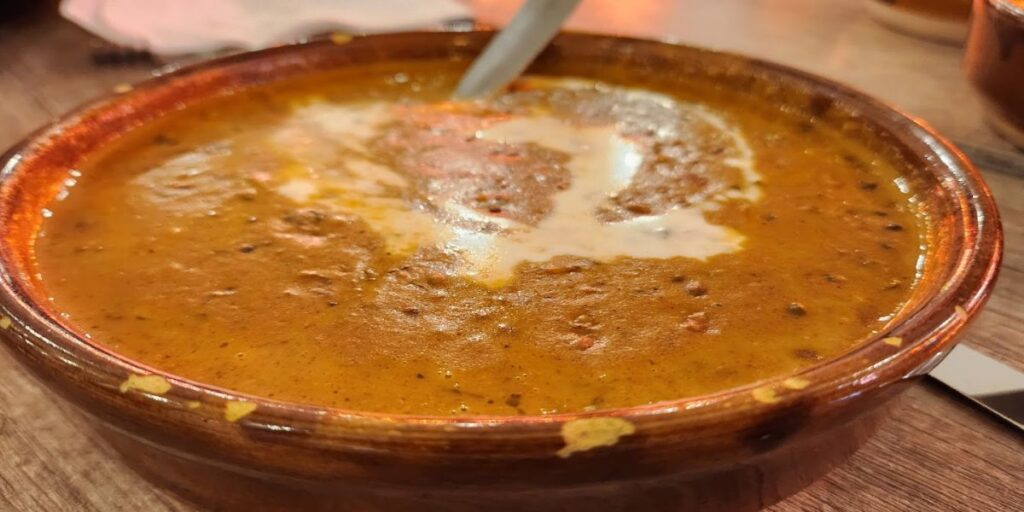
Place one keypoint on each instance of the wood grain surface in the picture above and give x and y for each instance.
(937, 454)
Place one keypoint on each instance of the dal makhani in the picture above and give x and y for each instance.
(356, 240)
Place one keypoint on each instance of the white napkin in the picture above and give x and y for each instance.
(172, 27)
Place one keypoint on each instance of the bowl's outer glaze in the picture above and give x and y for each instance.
(726, 451)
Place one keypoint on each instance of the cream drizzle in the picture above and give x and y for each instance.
(602, 164)
(489, 247)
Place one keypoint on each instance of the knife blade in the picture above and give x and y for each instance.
(991, 384)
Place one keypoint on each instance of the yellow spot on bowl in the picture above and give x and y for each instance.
(5, 322)
(765, 395)
(961, 313)
(796, 383)
(122, 88)
(235, 410)
(152, 384)
(588, 433)
(340, 38)
(192, 404)
(893, 340)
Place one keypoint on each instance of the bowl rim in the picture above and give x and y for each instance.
(874, 363)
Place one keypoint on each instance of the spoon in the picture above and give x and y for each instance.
(508, 54)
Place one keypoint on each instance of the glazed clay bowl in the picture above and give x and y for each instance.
(739, 449)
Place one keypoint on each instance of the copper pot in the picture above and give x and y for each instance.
(994, 62)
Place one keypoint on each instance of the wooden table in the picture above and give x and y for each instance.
(938, 454)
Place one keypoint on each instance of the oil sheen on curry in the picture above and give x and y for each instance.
(356, 240)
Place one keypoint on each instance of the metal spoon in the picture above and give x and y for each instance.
(508, 54)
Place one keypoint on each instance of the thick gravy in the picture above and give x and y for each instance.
(354, 240)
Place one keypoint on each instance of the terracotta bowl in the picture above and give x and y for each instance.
(725, 451)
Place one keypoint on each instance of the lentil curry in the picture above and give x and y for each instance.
(356, 240)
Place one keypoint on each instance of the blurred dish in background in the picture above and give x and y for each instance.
(197, 26)
(940, 20)
(995, 64)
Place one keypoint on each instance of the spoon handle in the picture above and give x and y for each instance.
(508, 54)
